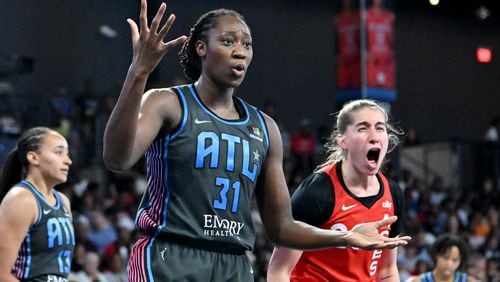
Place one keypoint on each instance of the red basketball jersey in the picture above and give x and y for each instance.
(340, 263)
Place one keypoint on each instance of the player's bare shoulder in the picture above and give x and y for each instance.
(160, 96)
(161, 110)
(164, 102)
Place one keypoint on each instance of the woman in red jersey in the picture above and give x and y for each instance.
(348, 189)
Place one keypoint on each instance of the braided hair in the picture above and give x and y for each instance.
(189, 58)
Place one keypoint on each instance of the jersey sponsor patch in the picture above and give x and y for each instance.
(255, 132)
(387, 205)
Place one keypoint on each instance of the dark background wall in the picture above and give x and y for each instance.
(443, 91)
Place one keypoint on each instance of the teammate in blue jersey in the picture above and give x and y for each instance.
(36, 231)
(208, 153)
(449, 254)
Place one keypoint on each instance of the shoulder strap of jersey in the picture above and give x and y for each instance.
(182, 92)
(426, 277)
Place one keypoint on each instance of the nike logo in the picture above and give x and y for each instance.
(46, 211)
(197, 121)
(345, 208)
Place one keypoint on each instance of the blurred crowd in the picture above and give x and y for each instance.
(104, 203)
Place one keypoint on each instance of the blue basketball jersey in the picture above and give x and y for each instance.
(202, 176)
(47, 250)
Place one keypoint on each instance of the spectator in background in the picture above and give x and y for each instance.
(491, 134)
(62, 109)
(101, 232)
(87, 109)
(115, 268)
(90, 271)
(411, 138)
(303, 148)
(492, 271)
(477, 266)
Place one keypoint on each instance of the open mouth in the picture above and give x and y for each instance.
(239, 68)
(373, 155)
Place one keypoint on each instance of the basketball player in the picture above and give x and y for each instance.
(449, 254)
(207, 153)
(36, 231)
(348, 189)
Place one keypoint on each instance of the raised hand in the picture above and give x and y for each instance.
(366, 236)
(148, 40)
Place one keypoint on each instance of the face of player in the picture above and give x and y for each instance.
(228, 54)
(447, 263)
(52, 159)
(365, 141)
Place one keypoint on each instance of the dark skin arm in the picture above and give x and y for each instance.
(136, 120)
(275, 209)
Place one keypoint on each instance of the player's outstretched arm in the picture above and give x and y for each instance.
(131, 127)
(366, 236)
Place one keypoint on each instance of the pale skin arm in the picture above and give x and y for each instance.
(275, 209)
(136, 120)
(14, 226)
(281, 264)
(389, 271)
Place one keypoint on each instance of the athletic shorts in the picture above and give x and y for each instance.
(153, 259)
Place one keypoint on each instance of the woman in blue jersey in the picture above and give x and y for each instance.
(449, 254)
(208, 153)
(36, 231)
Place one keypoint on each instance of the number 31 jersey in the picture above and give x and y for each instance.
(202, 176)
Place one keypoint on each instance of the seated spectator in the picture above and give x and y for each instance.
(115, 268)
(90, 271)
(491, 134)
(101, 232)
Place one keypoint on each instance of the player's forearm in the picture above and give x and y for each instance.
(301, 236)
(120, 132)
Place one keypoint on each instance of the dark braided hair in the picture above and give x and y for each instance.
(189, 59)
(16, 164)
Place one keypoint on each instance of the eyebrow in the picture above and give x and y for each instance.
(60, 147)
(365, 123)
(231, 32)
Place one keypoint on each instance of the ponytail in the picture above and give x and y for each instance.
(12, 172)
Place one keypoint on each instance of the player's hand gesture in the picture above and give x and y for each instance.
(366, 236)
(148, 40)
